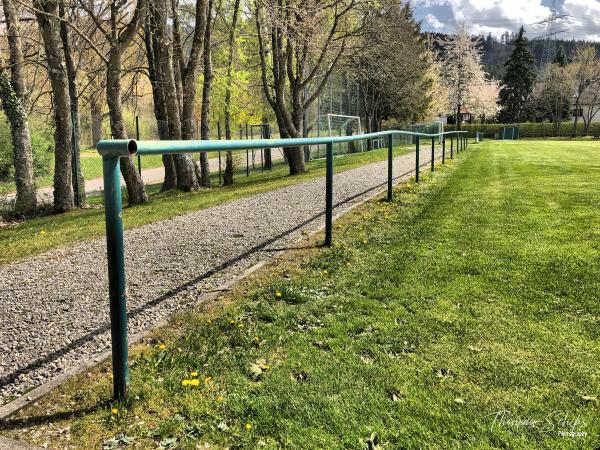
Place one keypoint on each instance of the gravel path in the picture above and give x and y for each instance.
(54, 311)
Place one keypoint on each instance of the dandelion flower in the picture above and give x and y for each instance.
(162, 346)
(43, 232)
(248, 426)
(185, 382)
(278, 294)
(241, 325)
(256, 339)
(220, 399)
(194, 382)
(325, 272)
(207, 380)
(232, 322)
(115, 410)
(194, 374)
(209, 321)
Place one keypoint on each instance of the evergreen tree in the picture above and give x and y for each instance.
(561, 57)
(518, 83)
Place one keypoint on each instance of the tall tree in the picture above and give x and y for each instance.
(228, 174)
(586, 71)
(13, 94)
(47, 14)
(300, 43)
(518, 83)
(462, 68)
(552, 95)
(77, 174)
(206, 94)
(118, 23)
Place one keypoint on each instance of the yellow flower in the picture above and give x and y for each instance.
(232, 322)
(185, 382)
(365, 241)
(248, 426)
(194, 382)
(194, 374)
(115, 410)
(220, 398)
(207, 380)
(256, 339)
(209, 321)
(278, 294)
(325, 272)
(162, 346)
(43, 232)
(241, 325)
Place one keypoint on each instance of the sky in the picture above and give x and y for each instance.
(579, 19)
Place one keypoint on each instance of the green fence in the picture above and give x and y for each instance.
(112, 151)
(528, 130)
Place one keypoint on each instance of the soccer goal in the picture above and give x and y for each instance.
(335, 125)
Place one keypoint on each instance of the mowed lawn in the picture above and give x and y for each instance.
(465, 314)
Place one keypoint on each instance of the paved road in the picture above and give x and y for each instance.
(150, 176)
(54, 311)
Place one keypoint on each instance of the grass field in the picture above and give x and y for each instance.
(45, 233)
(462, 315)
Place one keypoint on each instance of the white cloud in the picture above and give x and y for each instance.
(434, 22)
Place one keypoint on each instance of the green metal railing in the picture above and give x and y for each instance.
(113, 150)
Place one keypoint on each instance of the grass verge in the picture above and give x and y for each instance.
(45, 233)
(462, 315)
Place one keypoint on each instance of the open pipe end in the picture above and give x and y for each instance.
(118, 148)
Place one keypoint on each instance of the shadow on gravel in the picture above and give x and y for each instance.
(40, 362)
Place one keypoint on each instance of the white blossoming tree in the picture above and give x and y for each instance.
(461, 68)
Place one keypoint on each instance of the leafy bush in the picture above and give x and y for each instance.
(42, 141)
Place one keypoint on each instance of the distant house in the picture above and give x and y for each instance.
(583, 111)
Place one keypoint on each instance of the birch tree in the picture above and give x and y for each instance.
(13, 94)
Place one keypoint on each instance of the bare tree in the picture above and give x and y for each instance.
(12, 94)
(585, 67)
(117, 23)
(77, 174)
(299, 44)
(174, 84)
(206, 93)
(228, 174)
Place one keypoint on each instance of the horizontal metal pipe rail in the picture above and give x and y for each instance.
(113, 150)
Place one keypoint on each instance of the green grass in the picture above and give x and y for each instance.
(42, 234)
(462, 315)
(91, 165)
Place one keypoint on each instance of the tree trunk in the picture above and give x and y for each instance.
(136, 191)
(206, 92)
(228, 176)
(77, 174)
(49, 25)
(14, 89)
(97, 117)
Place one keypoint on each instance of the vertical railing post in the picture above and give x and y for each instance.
(137, 137)
(390, 193)
(116, 273)
(418, 143)
(432, 154)
(219, 138)
(329, 196)
(451, 146)
(444, 149)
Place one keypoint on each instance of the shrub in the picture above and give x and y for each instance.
(42, 142)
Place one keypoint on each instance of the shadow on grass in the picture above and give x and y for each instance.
(262, 247)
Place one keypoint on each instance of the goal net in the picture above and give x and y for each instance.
(336, 125)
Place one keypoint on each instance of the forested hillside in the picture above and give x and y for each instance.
(496, 51)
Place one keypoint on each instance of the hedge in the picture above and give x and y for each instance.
(543, 129)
